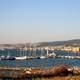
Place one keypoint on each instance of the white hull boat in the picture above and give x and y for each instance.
(21, 58)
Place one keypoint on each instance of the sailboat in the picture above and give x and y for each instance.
(2, 57)
(21, 57)
(8, 57)
(42, 57)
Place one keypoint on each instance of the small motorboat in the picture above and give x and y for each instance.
(10, 58)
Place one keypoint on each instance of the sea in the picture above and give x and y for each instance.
(38, 63)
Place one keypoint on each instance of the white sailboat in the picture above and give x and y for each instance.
(21, 57)
(42, 57)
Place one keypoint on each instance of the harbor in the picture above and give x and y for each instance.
(24, 55)
(39, 39)
(41, 56)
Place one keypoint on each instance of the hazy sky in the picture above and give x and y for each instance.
(39, 20)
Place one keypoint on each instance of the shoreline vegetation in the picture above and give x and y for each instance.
(60, 72)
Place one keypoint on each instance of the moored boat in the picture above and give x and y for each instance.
(7, 57)
(21, 58)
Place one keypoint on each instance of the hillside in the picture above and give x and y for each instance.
(75, 42)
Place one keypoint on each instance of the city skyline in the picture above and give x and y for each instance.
(32, 21)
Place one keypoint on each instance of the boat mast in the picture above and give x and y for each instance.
(25, 51)
(30, 49)
(35, 50)
(41, 52)
(47, 51)
(8, 53)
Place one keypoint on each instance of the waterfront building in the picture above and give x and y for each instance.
(75, 49)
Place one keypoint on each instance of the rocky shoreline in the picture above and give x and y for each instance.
(61, 71)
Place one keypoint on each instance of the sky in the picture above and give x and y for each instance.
(32, 21)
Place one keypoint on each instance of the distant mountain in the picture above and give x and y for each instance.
(75, 42)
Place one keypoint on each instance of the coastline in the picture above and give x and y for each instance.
(61, 72)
